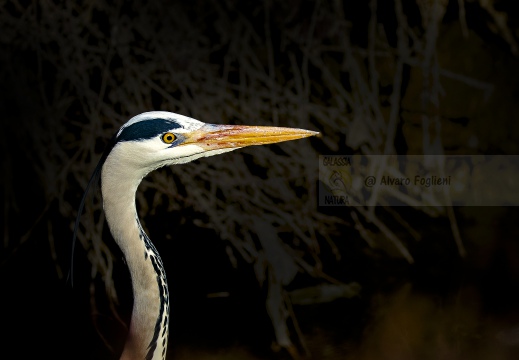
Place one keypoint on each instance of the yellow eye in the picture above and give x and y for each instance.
(168, 138)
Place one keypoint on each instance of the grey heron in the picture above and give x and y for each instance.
(147, 142)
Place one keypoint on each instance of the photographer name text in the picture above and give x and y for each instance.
(425, 181)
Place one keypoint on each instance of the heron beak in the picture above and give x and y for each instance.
(212, 137)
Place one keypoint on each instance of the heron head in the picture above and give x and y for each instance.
(154, 139)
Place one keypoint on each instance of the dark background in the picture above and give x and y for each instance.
(238, 230)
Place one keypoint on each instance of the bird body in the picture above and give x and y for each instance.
(150, 289)
(146, 142)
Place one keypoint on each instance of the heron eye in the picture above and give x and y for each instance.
(168, 138)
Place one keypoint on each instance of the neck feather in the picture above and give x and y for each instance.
(148, 333)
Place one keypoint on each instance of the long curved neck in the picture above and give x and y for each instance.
(148, 333)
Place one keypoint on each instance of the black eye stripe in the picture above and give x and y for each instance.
(147, 129)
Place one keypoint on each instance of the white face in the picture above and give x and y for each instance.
(155, 139)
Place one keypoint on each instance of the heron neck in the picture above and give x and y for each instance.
(148, 332)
